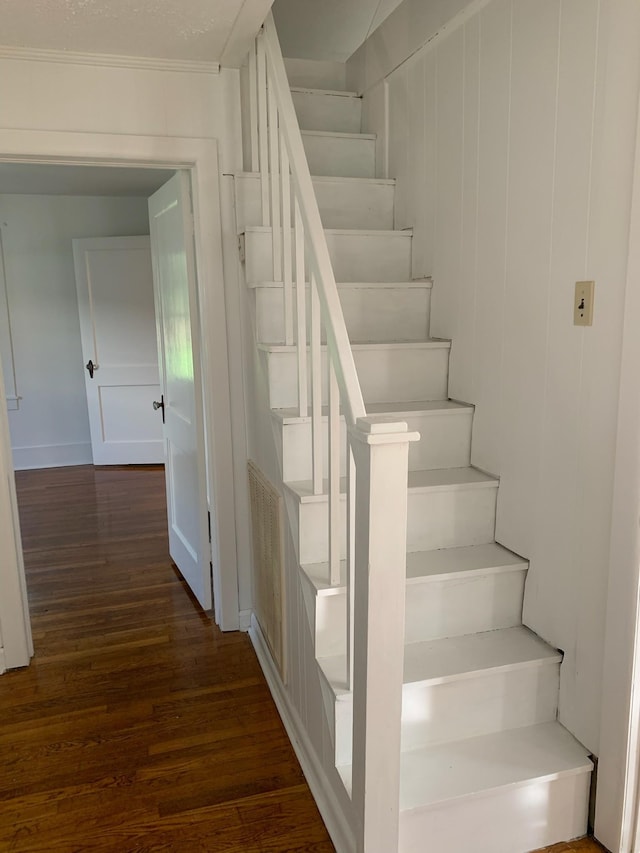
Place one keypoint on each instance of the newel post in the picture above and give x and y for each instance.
(381, 449)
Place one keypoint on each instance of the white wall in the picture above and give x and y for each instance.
(51, 426)
(512, 136)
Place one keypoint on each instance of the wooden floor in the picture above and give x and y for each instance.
(138, 726)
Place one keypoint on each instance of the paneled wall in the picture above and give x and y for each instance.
(511, 133)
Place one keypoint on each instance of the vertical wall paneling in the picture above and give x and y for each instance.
(416, 163)
(493, 156)
(534, 72)
(462, 359)
(448, 134)
(399, 144)
(501, 140)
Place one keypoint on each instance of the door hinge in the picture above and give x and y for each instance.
(241, 247)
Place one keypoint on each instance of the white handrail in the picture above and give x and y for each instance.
(374, 521)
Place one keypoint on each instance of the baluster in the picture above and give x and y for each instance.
(316, 388)
(263, 142)
(274, 163)
(287, 277)
(253, 107)
(334, 474)
(351, 557)
(301, 313)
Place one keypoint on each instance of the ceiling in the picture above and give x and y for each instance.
(328, 29)
(36, 179)
(202, 30)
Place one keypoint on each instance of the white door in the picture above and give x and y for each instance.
(120, 352)
(176, 301)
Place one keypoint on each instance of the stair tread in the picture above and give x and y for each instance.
(478, 765)
(340, 134)
(438, 479)
(436, 407)
(431, 343)
(330, 179)
(345, 232)
(416, 283)
(432, 565)
(438, 661)
(339, 93)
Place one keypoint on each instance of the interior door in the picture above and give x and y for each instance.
(119, 348)
(174, 276)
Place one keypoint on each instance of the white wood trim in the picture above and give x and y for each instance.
(13, 403)
(15, 627)
(201, 157)
(3, 664)
(245, 619)
(618, 792)
(68, 57)
(332, 815)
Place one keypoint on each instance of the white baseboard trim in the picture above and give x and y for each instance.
(245, 619)
(3, 662)
(52, 456)
(327, 803)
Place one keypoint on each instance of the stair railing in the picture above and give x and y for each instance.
(376, 449)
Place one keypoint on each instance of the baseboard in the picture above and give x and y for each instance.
(327, 803)
(3, 662)
(52, 456)
(245, 619)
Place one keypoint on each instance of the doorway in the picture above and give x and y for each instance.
(200, 158)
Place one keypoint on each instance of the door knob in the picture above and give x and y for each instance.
(91, 367)
(159, 405)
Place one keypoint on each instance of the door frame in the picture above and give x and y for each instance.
(199, 157)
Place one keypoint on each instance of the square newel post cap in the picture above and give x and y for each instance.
(383, 429)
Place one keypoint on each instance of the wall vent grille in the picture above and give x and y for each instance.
(268, 580)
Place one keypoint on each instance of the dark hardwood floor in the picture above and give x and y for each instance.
(139, 726)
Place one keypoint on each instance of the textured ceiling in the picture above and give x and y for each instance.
(328, 29)
(169, 29)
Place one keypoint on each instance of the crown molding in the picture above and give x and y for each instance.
(110, 60)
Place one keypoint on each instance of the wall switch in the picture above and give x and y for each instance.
(583, 303)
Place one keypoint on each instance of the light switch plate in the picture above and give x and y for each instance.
(583, 303)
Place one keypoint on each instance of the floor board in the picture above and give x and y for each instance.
(139, 726)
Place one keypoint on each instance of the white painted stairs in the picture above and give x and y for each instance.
(485, 767)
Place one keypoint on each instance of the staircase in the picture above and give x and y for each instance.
(484, 765)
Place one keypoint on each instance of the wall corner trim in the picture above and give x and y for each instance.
(68, 57)
(332, 815)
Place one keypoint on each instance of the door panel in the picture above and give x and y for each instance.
(118, 329)
(179, 361)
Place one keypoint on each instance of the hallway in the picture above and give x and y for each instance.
(139, 726)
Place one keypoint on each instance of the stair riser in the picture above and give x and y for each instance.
(473, 512)
(348, 157)
(316, 73)
(434, 610)
(347, 204)
(512, 819)
(468, 707)
(451, 519)
(355, 257)
(372, 314)
(445, 442)
(320, 111)
(404, 375)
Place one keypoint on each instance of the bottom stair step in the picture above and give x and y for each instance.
(510, 792)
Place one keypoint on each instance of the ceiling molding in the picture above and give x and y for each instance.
(69, 57)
